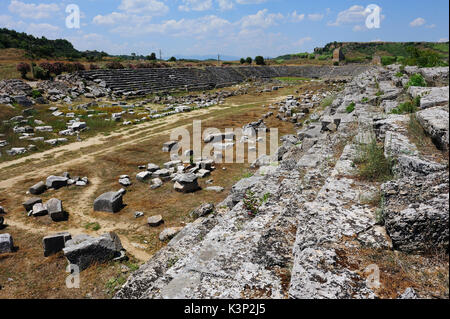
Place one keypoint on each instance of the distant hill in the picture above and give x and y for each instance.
(43, 47)
(383, 48)
(362, 52)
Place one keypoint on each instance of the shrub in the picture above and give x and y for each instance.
(58, 68)
(259, 60)
(40, 73)
(372, 164)
(173, 59)
(403, 108)
(78, 66)
(131, 66)
(144, 65)
(35, 94)
(312, 56)
(249, 60)
(23, 68)
(335, 63)
(387, 60)
(47, 67)
(115, 65)
(69, 68)
(416, 80)
(242, 61)
(93, 67)
(350, 108)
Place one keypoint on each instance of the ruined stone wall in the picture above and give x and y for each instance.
(143, 81)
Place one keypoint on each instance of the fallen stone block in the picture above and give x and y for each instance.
(28, 205)
(56, 182)
(143, 176)
(186, 183)
(6, 244)
(109, 202)
(55, 209)
(39, 209)
(53, 244)
(38, 189)
(84, 250)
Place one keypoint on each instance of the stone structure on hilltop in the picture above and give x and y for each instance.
(338, 55)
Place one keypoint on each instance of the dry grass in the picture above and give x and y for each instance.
(428, 275)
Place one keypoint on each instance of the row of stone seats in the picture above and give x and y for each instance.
(154, 79)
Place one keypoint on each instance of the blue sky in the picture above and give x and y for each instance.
(229, 27)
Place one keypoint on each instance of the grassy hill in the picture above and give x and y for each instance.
(362, 52)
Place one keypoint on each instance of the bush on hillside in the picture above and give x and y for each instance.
(23, 68)
(115, 65)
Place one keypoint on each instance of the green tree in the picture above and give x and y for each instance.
(259, 60)
(249, 60)
(152, 57)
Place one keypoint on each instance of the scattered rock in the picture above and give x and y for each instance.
(155, 221)
(84, 250)
(6, 244)
(109, 202)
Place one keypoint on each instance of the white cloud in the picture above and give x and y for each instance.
(297, 17)
(250, 1)
(417, 22)
(225, 4)
(154, 7)
(9, 22)
(262, 19)
(315, 16)
(442, 40)
(110, 19)
(352, 15)
(302, 41)
(33, 11)
(195, 5)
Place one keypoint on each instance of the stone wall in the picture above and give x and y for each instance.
(144, 81)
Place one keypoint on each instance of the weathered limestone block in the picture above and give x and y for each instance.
(109, 202)
(56, 182)
(38, 189)
(416, 212)
(55, 209)
(28, 205)
(6, 243)
(186, 183)
(55, 243)
(435, 122)
(85, 250)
